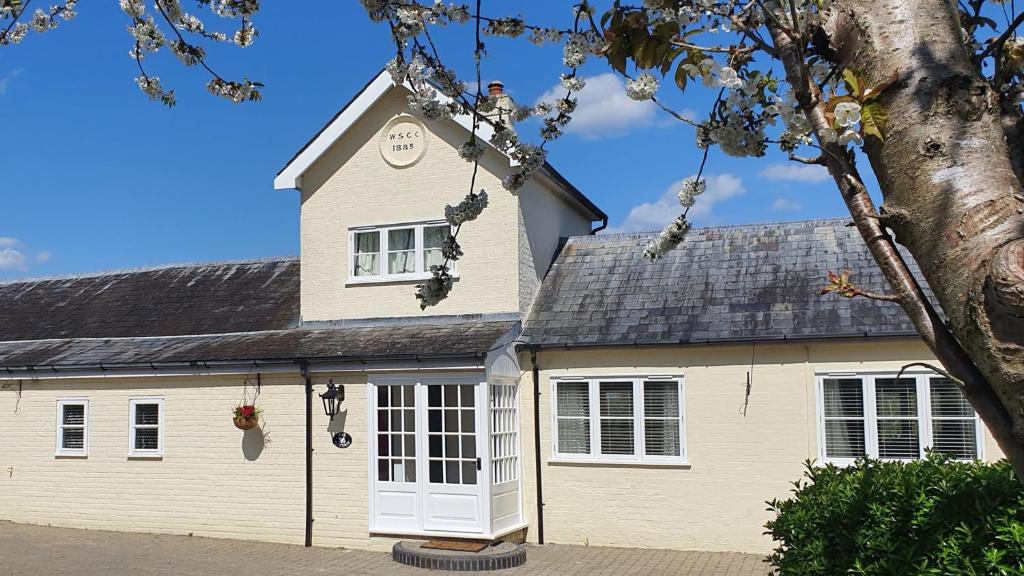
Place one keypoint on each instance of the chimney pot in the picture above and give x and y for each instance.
(495, 88)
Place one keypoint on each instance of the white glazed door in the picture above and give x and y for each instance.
(395, 469)
(452, 462)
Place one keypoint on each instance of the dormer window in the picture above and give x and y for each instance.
(396, 253)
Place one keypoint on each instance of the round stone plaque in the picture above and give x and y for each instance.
(403, 142)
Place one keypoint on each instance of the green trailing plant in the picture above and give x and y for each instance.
(929, 517)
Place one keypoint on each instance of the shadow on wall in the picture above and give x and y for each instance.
(253, 443)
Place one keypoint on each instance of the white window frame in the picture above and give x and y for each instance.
(61, 450)
(924, 414)
(421, 272)
(640, 455)
(134, 452)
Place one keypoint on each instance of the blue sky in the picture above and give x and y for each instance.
(97, 177)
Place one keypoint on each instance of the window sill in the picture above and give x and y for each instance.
(71, 455)
(145, 456)
(403, 279)
(682, 464)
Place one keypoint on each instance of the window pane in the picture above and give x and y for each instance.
(844, 438)
(147, 414)
(898, 439)
(573, 399)
(74, 415)
(956, 438)
(147, 439)
(896, 397)
(367, 242)
(73, 439)
(661, 399)
(948, 400)
(616, 399)
(401, 262)
(844, 397)
(367, 265)
(402, 239)
(433, 236)
(662, 437)
(617, 436)
(573, 436)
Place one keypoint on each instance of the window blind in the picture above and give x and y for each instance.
(73, 427)
(844, 418)
(896, 407)
(661, 418)
(573, 401)
(954, 424)
(616, 401)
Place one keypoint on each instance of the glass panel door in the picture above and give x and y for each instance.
(452, 492)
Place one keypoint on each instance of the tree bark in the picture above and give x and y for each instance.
(951, 191)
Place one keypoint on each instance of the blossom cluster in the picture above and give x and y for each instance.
(668, 239)
(40, 21)
(434, 289)
(467, 210)
(643, 87)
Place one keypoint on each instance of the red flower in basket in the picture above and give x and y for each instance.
(246, 417)
(248, 411)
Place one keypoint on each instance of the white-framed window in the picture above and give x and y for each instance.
(631, 419)
(880, 416)
(72, 427)
(397, 252)
(146, 427)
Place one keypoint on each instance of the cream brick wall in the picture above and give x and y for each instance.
(212, 481)
(736, 463)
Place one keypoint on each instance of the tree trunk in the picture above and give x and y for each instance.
(951, 195)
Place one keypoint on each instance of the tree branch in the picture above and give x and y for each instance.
(998, 42)
(931, 367)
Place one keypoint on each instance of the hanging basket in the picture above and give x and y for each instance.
(243, 423)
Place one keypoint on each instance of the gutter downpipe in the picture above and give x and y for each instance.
(604, 224)
(536, 443)
(304, 366)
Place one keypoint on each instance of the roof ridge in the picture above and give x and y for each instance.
(751, 226)
(154, 268)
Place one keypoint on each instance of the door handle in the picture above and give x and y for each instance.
(477, 464)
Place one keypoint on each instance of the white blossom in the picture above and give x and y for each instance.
(642, 88)
(851, 135)
(690, 189)
(728, 78)
(847, 114)
(471, 151)
(572, 83)
(467, 210)
(245, 35)
(668, 239)
(133, 8)
(436, 288)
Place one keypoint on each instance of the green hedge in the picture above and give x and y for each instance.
(932, 516)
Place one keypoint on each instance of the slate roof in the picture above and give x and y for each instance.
(736, 283)
(166, 301)
(411, 341)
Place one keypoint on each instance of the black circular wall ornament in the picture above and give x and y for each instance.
(342, 439)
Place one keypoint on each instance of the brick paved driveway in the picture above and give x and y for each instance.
(27, 550)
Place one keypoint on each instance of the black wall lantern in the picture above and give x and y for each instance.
(333, 398)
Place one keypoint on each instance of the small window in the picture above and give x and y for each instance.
(619, 419)
(72, 427)
(397, 253)
(146, 429)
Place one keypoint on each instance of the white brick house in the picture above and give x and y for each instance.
(568, 391)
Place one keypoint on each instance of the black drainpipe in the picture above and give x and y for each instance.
(536, 444)
(604, 224)
(309, 452)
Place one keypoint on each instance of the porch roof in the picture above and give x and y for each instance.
(723, 284)
(438, 339)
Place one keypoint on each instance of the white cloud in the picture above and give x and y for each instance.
(8, 242)
(43, 257)
(11, 259)
(795, 173)
(5, 80)
(603, 109)
(787, 205)
(651, 216)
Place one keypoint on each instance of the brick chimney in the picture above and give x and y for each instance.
(503, 110)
